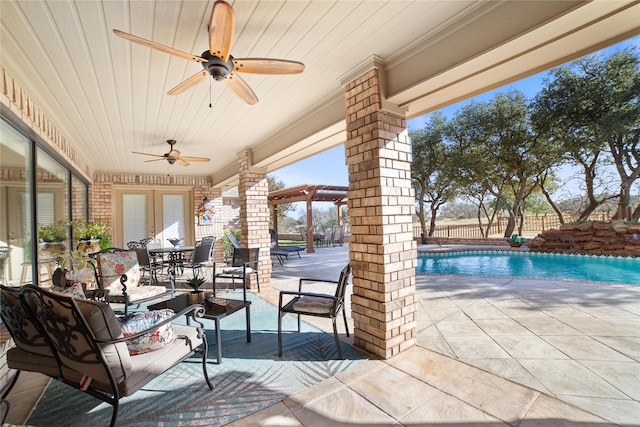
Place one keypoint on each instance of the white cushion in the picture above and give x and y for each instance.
(236, 270)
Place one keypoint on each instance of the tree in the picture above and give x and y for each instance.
(498, 153)
(591, 109)
(431, 174)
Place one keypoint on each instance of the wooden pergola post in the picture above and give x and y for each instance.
(309, 194)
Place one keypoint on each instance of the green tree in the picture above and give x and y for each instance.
(433, 181)
(497, 153)
(591, 109)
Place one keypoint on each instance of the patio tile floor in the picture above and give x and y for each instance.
(490, 351)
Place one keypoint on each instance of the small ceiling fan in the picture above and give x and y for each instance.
(218, 62)
(173, 156)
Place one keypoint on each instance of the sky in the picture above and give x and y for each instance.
(328, 167)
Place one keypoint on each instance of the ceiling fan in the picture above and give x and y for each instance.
(218, 62)
(173, 156)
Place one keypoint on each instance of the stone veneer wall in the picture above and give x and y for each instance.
(382, 251)
(595, 238)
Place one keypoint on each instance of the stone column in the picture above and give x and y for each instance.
(382, 251)
(254, 214)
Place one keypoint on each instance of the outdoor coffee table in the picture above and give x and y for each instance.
(214, 310)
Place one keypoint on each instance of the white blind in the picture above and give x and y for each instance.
(134, 215)
(173, 215)
(46, 214)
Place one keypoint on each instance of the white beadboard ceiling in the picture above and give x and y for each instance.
(108, 96)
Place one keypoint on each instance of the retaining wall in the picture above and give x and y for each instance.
(595, 238)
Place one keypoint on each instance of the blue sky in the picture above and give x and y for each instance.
(328, 167)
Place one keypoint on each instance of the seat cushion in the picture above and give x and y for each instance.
(236, 270)
(139, 293)
(147, 366)
(20, 359)
(160, 337)
(313, 304)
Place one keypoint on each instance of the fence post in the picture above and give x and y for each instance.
(448, 231)
(543, 217)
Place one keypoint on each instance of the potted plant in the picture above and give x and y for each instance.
(196, 296)
(51, 239)
(91, 236)
(516, 241)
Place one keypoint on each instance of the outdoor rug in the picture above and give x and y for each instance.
(251, 377)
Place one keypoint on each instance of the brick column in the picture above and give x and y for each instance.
(254, 214)
(382, 251)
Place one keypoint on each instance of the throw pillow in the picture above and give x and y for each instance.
(74, 291)
(153, 340)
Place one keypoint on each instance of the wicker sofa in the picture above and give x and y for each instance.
(80, 342)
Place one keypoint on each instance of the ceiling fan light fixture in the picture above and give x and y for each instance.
(215, 66)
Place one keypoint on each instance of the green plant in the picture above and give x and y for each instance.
(226, 244)
(195, 282)
(56, 232)
(92, 230)
(76, 261)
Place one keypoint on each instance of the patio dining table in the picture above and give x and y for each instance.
(175, 258)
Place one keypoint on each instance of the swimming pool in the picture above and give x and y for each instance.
(529, 264)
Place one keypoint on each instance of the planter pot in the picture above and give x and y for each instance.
(196, 297)
(515, 245)
(51, 249)
(89, 246)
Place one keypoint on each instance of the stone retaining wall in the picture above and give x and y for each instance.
(595, 238)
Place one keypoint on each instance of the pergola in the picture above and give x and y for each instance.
(308, 193)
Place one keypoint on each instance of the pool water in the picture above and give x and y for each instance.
(526, 264)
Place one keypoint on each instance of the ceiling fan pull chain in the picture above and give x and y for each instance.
(209, 93)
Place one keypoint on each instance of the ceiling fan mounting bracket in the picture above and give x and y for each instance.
(215, 66)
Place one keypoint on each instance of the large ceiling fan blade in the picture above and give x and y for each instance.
(173, 153)
(241, 88)
(267, 66)
(194, 159)
(221, 30)
(191, 81)
(182, 162)
(158, 46)
(147, 154)
(155, 160)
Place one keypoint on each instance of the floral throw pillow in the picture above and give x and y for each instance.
(154, 340)
(74, 290)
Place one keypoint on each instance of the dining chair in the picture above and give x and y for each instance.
(147, 266)
(315, 303)
(200, 257)
(243, 263)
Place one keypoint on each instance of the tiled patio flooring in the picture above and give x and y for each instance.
(491, 351)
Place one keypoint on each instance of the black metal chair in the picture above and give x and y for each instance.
(316, 304)
(201, 256)
(241, 266)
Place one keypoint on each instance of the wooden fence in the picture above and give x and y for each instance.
(532, 224)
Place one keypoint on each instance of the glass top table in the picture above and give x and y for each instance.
(215, 309)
